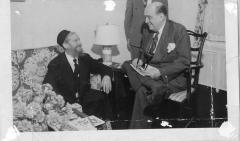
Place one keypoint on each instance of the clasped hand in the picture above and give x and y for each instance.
(151, 71)
(106, 84)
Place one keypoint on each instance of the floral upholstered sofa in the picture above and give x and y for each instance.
(35, 106)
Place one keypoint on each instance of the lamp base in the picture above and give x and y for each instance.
(107, 55)
(107, 63)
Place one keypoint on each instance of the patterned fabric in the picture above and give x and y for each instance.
(202, 4)
(29, 67)
(195, 43)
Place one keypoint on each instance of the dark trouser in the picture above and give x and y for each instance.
(134, 50)
(96, 103)
(139, 120)
(141, 85)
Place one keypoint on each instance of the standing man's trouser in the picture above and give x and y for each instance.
(134, 50)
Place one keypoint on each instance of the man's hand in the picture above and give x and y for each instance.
(137, 62)
(106, 84)
(153, 72)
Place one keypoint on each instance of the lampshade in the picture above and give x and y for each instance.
(107, 35)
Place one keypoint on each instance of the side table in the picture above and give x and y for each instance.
(121, 98)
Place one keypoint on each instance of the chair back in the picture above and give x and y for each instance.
(196, 58)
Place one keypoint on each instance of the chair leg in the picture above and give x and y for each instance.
(189, 122)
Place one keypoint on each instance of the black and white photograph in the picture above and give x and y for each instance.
(123, 65)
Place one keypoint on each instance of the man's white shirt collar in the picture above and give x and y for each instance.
(70, 61)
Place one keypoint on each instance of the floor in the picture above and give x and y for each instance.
(201, 116)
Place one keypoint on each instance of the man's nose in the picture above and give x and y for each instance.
(146, 20)
(79, 43)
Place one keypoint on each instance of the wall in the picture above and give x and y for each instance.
(213, 73)
(35, 23)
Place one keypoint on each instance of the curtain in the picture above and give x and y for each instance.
(202, 4)
(210, 19)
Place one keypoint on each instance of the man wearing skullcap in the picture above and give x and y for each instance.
(69, 75)
(134, 24)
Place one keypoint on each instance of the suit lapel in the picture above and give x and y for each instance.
(161, 50)
(67, 65)
(67, 71)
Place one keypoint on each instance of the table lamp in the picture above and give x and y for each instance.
(107, 36)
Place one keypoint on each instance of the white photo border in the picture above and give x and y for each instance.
(197, 134)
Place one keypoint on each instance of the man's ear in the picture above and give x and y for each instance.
(65, 46)
(161, 15)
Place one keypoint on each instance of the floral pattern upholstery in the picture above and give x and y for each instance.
(30, 66)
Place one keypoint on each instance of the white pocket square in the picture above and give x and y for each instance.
(171, 47)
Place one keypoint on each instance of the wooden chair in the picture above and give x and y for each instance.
(192, 73)
(182, 98)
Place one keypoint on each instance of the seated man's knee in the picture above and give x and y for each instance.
(126, 65)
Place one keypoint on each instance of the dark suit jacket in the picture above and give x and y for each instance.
(60, 75)
(134, 20)
(172, 64)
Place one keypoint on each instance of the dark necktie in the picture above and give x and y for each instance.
(154, 43)
(76, 70)
(76, 78)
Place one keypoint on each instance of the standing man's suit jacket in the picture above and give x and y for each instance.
(171, 64)
(60, 75)
(134, 20)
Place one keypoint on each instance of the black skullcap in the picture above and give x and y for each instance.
(62, 36)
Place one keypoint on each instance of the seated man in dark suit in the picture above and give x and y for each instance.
(69, 75)
(169, 45)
